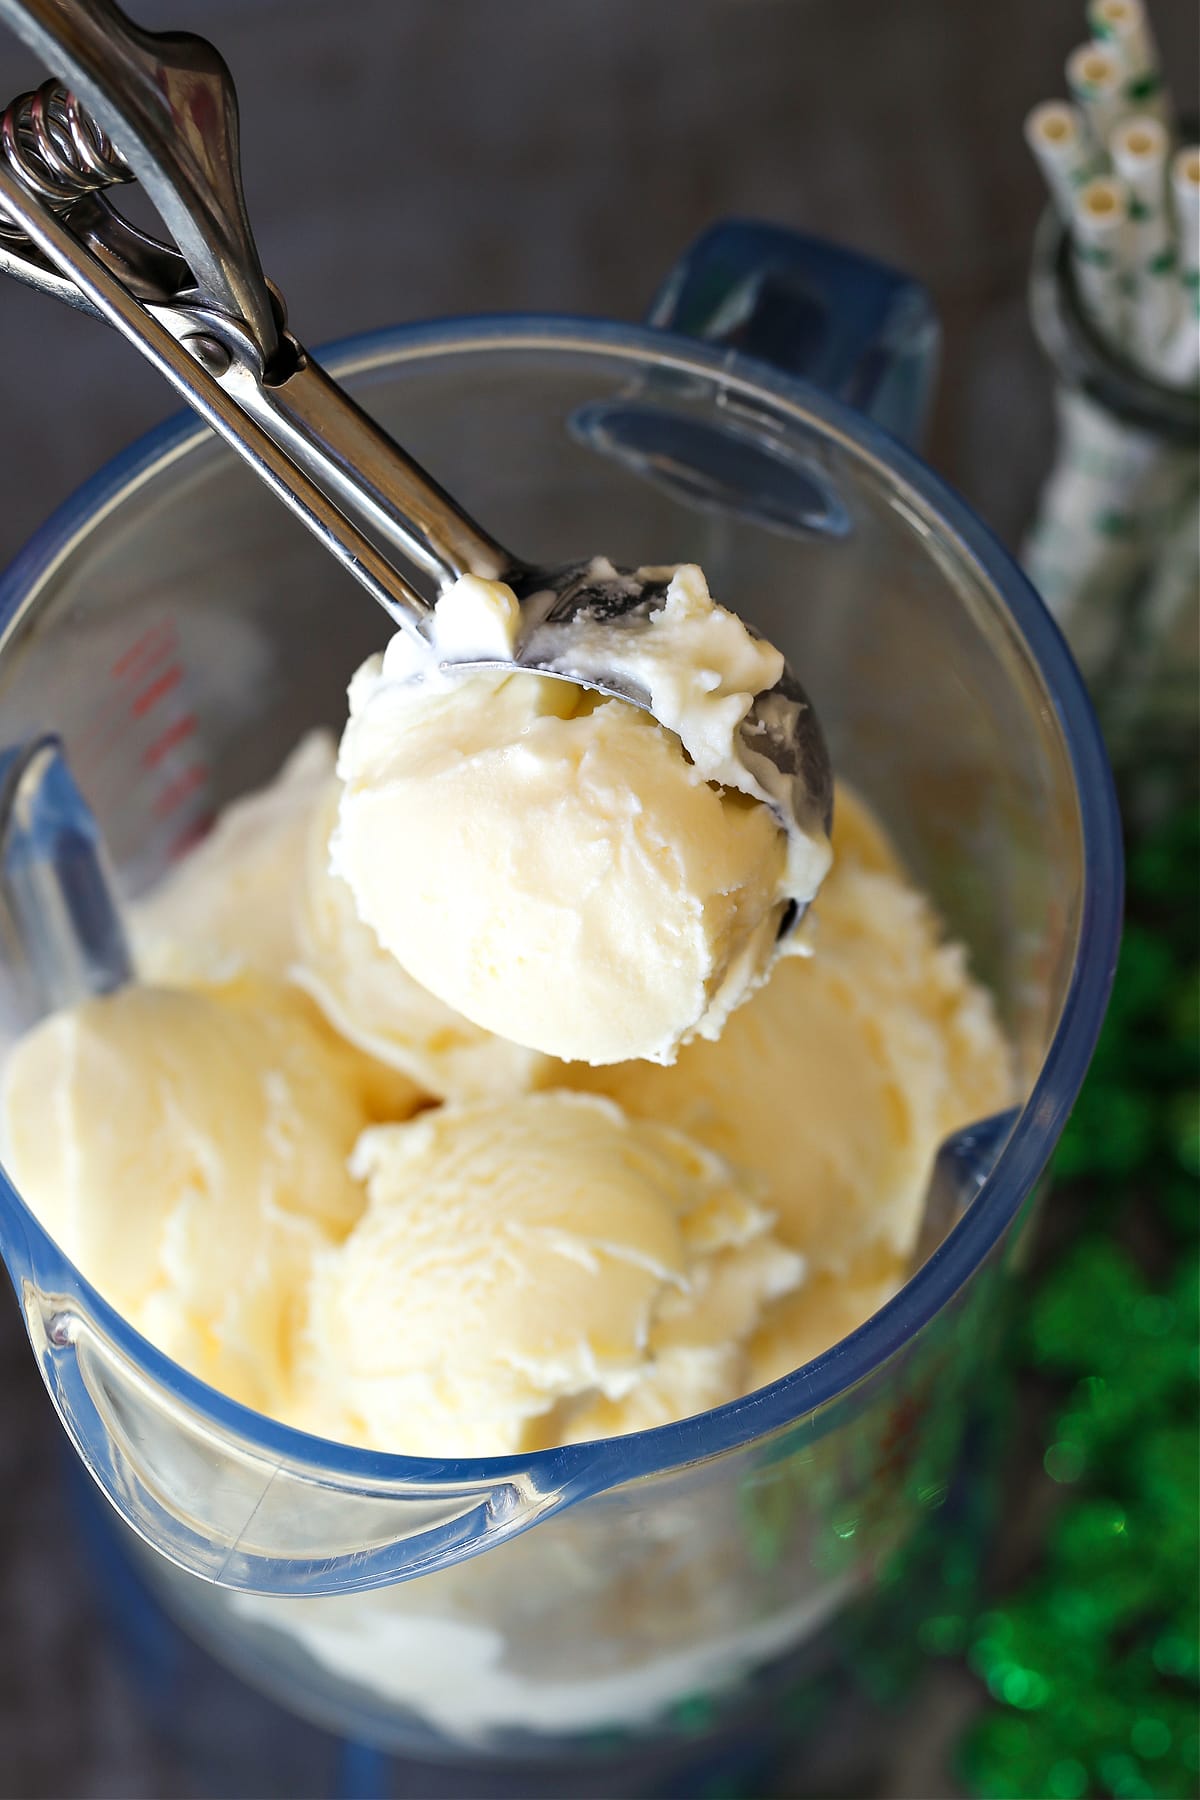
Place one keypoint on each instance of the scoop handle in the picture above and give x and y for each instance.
(168, 104)
(847, 324)
(167, 101)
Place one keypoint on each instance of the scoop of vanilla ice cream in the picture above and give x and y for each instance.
(374, 1002)
(188, 1151)
(257, 896)
(838, 1081)
(699, 1337)
(560, 867)
(534, 1270)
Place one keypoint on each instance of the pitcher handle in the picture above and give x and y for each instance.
(847, 324)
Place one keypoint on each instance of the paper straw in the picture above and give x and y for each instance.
(1123, 27)
(1064, 149)
(1183, 349)
(1096, 81)
(1100, 250)
(1140, 148)
(1115, 548)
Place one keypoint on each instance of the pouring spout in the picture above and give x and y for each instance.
(963, 1164)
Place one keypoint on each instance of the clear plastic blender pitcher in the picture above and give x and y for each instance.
(180, 632)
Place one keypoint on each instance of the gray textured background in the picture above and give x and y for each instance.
(406, 158)
(413, 157)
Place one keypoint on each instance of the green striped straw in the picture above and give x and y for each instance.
(1097, 86)
(1122, 25)
(1100, 253)
(1064, 150)
(1140, 148)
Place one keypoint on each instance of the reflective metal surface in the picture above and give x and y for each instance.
(221, 342)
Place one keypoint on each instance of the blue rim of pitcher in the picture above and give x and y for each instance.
(1022, 1160)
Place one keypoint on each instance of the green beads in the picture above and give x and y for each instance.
(1091, 1667)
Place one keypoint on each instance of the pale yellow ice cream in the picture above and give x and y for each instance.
(188, 1151)
(481, 1279)
(233, 1171)
(836, 1084)
(535, 1270)
(375, 1003)
(560, 867)
(229, 907)
(234, 1157)
(258, 896)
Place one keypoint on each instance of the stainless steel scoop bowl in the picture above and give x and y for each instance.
(162, 108)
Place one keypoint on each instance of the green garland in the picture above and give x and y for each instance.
(1088, 1661)
(1092, 1663)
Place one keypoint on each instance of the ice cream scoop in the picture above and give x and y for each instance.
(205, 316)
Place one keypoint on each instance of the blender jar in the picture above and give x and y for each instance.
(179, 631)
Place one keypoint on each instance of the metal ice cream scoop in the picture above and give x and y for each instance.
(202, 311)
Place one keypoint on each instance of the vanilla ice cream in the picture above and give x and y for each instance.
(257, 896)
(228, 907)
(486, 1277)
(836, 1084)
(562, 868)
(230, 1155)
(189, 1151)
(372, 1000)
(514, 1268)
(526, 1269)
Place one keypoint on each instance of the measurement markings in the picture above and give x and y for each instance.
(176, 733)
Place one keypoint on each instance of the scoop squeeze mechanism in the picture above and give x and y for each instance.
(161, 108)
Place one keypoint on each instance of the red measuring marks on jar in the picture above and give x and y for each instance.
(143, 740)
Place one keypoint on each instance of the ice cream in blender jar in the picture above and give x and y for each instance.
(320, 1154)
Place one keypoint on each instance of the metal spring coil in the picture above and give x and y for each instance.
(56, 151)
